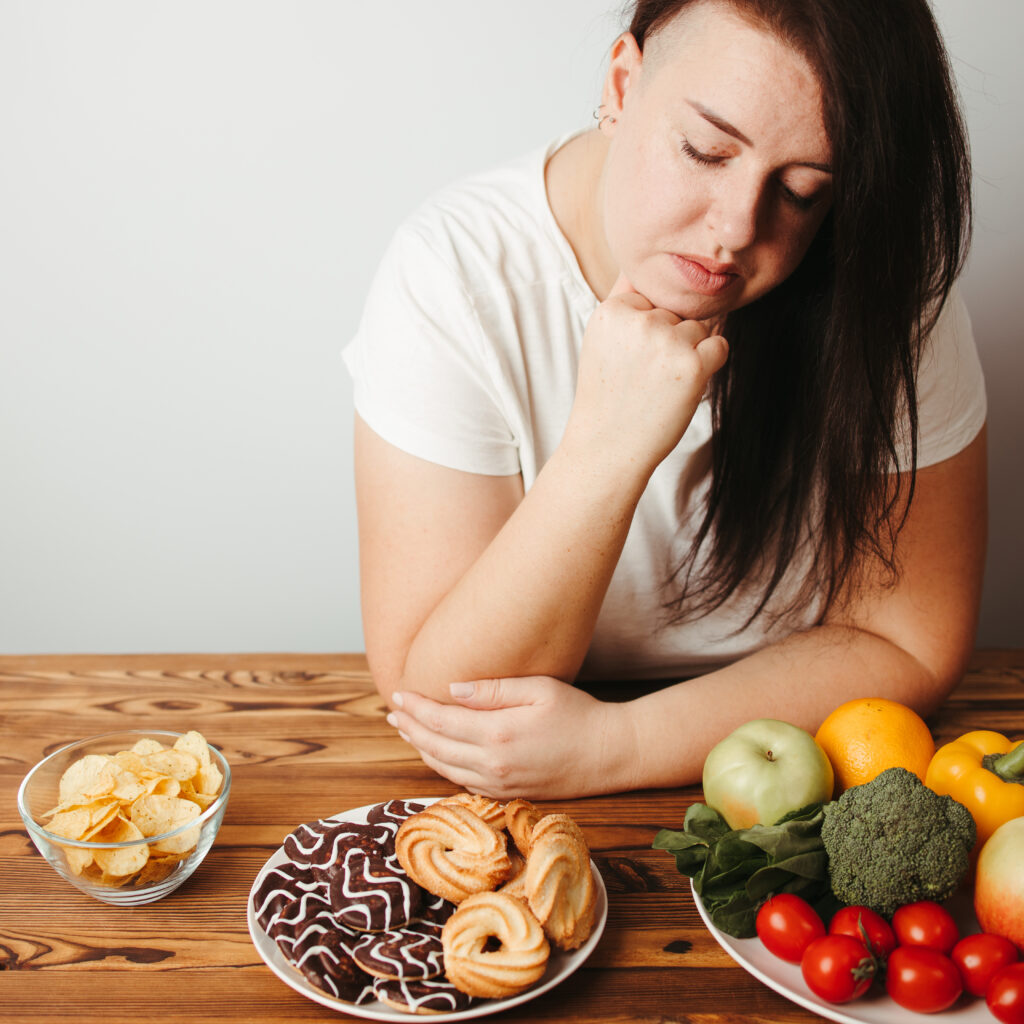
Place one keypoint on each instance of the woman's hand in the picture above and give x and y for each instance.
(533, 737)
(642, 374)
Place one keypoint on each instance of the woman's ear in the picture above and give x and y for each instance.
(623, 73)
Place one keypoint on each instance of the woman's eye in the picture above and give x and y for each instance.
(698, 157)
(797, 200)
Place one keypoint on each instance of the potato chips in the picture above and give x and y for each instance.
(133, 795)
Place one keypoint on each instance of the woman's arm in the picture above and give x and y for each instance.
(464, 576)
(909, 642)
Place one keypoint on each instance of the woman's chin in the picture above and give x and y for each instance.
(695, 307)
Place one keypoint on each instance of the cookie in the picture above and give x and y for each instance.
(393, 812)
(290, 921)
(322, 952)
(559, 885)
(491, 811)
(390, 815)
(452, 852)
(412, 952)
(322, 844)
(520, 818)
(493, 946)
(282, 884)
(434, 995)
(434, 908)
(372, 894)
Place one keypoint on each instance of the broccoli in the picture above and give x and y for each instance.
(893, 841)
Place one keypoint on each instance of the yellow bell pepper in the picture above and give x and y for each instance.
(984, 771)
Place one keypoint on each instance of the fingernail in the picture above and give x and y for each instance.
(391, 719)
(403, 736)
(397, 699)
(461, 689)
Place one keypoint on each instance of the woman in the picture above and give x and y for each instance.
(650, 404)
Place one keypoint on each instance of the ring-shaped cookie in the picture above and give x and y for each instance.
(559, 885)
(475, 968)
(451, 852)
(492, 811)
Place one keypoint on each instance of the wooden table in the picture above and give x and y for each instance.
(306, 738)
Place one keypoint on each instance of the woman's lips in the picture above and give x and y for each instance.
(707, 279)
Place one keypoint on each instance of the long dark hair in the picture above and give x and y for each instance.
(818, 395)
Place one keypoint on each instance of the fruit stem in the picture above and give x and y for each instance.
(1010, 766)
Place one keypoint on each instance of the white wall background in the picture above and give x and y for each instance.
(193, 197)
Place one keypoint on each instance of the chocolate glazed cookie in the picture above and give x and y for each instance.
(322, 844)
(391, 814)
(371, 893)
(433, 995)
(414, 951)
(281, 885)
(293, 917)
(322, 952)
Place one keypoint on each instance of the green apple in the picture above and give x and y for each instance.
(763, 770)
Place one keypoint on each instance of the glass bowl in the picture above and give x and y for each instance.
(132, 871)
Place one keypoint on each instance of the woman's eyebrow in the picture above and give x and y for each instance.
(719, 122)
(722, 125)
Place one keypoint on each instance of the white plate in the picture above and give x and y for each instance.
(560, 965)
(874, 1008)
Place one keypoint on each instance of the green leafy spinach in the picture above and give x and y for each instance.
(735, 870)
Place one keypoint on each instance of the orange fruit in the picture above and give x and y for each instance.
(863, 737)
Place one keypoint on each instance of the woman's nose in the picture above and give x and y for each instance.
(733, 214)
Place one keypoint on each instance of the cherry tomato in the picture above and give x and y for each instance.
(922, 980)
(787, 924)
(849, 920)
(838, 968)
(1005, 995)
(925, 924)
(978, 957)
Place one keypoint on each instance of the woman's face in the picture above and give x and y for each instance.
(717, 173)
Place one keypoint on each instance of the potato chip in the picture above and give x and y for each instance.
(77, 858)
(194, 743)
(71, 824)
(163, 785)
(209, 780)
(131, 761)
(158, 868)
(91, 776)
(155, 815)
(203, 800)
(147, 746)
(176, 763)
(101, 814)
(125, 860)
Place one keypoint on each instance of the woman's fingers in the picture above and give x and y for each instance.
(455, 752)
(489, 694)
(713, 352)
(420, 717)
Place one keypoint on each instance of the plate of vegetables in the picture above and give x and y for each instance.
(874, 1006)
(859, 908)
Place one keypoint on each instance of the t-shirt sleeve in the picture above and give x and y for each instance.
(423, 379)
(951, 399)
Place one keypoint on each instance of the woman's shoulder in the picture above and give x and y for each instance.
(952, 403)
(490, 228)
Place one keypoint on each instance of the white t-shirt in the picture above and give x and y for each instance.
(466, 356)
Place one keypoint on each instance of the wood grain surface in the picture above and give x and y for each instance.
(306, 737)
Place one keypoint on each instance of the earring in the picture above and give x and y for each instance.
(601, 118)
